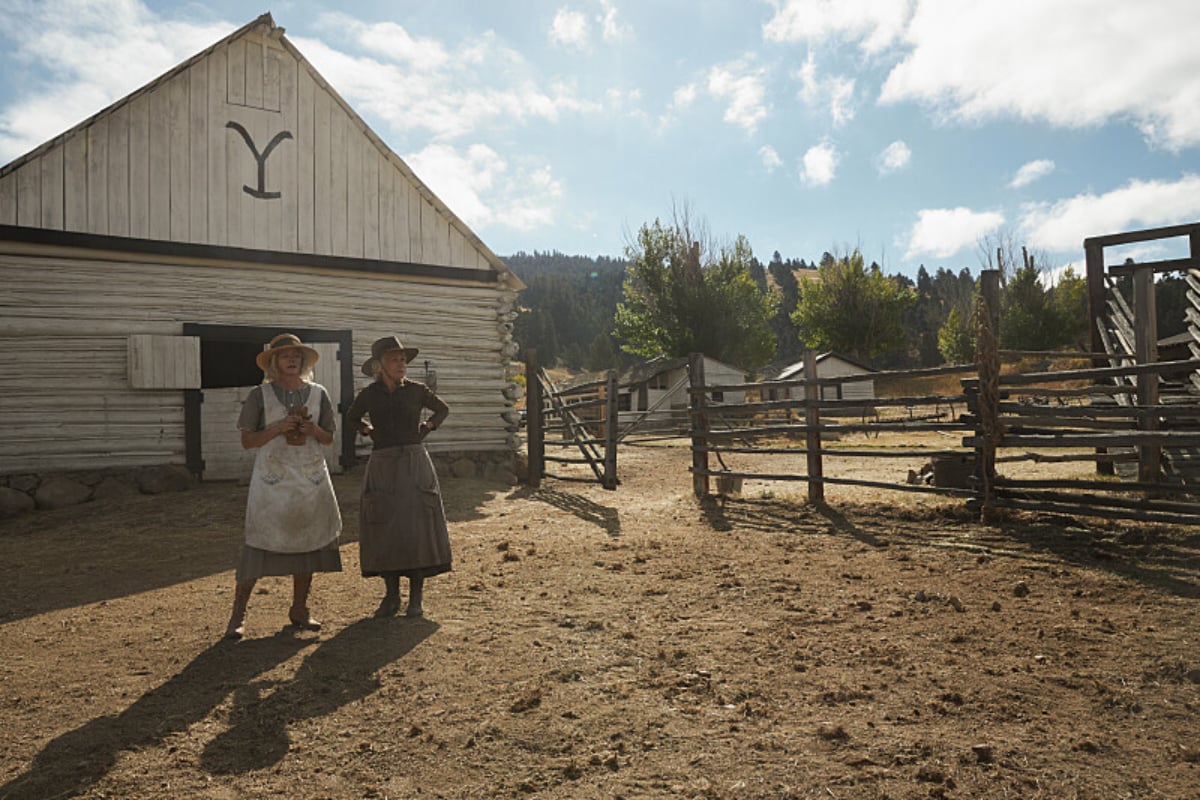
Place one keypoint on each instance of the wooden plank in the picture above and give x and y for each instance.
(8, 199)
(273, 68)
(28, 179)
(255, 58)
(339, 138)
(432, 230)
(459, 248)
(417, 208)
(387, 208)
(305, 154)
(285, 170)
(139, 167)
(97, 185)
(369, 191)
(356, 156)
(51, 164)
(217, 179)
(401, 197)
(164, 362)
(198, 127)
(160, 164)
(180, 150)
(118, 171)
(236, 72)
(322, 173)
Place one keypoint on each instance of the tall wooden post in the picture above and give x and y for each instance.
(812, 419)
(698, 403)
(612, 425)
(987, 358)
(535, 432)
(1146, 347)
(1096, 299)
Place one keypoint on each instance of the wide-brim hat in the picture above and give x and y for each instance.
(282, 342)
(382, 346)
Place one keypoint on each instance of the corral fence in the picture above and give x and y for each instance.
(1009, 417)
(572, 419)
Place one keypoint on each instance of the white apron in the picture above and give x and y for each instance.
(291, 506)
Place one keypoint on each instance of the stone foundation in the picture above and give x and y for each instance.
(27, 492)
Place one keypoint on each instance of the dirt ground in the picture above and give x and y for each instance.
(593, 644)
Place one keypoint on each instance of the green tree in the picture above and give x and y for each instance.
(956, 341)
(684, 294)
(853, 310)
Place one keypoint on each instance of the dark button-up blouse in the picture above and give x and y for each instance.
(396, 415)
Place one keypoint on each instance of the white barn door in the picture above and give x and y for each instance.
(327, 372)
(224, 456)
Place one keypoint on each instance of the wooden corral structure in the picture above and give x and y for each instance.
(149, 252)
(1050, 416)
(1123, 319)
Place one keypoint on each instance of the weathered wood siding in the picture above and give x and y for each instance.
(171, 163)
(65, 325)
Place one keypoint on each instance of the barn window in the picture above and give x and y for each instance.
(227, 364)
(624, 401)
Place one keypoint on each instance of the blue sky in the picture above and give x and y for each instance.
(919, 131)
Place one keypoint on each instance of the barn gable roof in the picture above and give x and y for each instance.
(233, 182)
(797, 369)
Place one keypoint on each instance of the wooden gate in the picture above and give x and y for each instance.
(579, 418)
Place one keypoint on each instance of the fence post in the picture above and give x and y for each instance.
(697, 401)
(612, 423)
(1146, 350)
(987, 359)
(812, 420)
(535, 433)
(1096, 302)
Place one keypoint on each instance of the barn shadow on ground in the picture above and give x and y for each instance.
(1166, 558)
(76, 556)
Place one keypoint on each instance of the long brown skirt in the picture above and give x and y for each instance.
(402, 524)
(256, 563)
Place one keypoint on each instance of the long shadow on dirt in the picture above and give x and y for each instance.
(75, 760)
(341, 670)
(602, 516)
(1163, 557)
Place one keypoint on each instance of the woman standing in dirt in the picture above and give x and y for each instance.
(292, 516)
(403, 524)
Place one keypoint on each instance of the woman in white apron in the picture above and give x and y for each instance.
(292, 516)
(402, 530)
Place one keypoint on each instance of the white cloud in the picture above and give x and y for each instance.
(1063, 225)
(390, 41)
(462, 97)
(570, 29)
(611, 29)
(770, 158)
(875, 24)
(1071, 64)
(894, 157)
(743, 86)
(942, 232)
(684, 96)
(837, 91)
(478, 184)
(92, 54)
(819, 165)
(1031, 171)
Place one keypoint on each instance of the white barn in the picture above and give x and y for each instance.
(656, 391)
(149, 252)
(829, 365)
